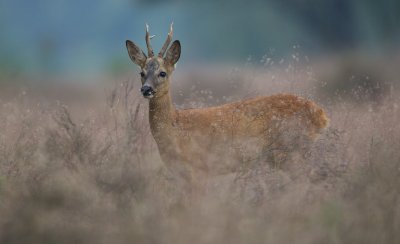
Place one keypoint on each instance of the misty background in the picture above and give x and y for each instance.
(84, 40)
(78, 162)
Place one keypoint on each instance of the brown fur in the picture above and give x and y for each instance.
(217, 140)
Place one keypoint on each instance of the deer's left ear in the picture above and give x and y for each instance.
(135, 53)
(173, 53)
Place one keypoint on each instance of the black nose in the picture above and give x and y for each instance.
(147, 91)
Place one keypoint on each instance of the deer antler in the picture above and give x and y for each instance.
(148, 37)
(167, 42)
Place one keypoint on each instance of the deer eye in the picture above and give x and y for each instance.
(142, 74)
(162, 74)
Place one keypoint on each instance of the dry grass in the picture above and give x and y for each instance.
(90, 173)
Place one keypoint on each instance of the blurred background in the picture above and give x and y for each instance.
(78, 163)
(84, 40)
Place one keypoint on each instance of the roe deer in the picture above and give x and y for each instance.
(194, 143)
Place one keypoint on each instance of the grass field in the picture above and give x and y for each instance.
(78, 165)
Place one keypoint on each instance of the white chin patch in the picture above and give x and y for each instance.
(148, 97)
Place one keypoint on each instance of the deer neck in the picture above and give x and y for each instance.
(162, 114)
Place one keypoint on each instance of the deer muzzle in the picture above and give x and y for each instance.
(147, 91)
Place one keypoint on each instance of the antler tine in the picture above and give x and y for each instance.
(148, 37)
(167, 42)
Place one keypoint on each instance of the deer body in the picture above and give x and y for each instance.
(216, 140)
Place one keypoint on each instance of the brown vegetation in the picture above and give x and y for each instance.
(90, 172)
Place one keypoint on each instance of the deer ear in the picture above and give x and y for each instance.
(173, 53)
(135, 53)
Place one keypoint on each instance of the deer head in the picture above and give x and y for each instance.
(155, 70)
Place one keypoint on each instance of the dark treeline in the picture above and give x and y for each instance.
(87, 38)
